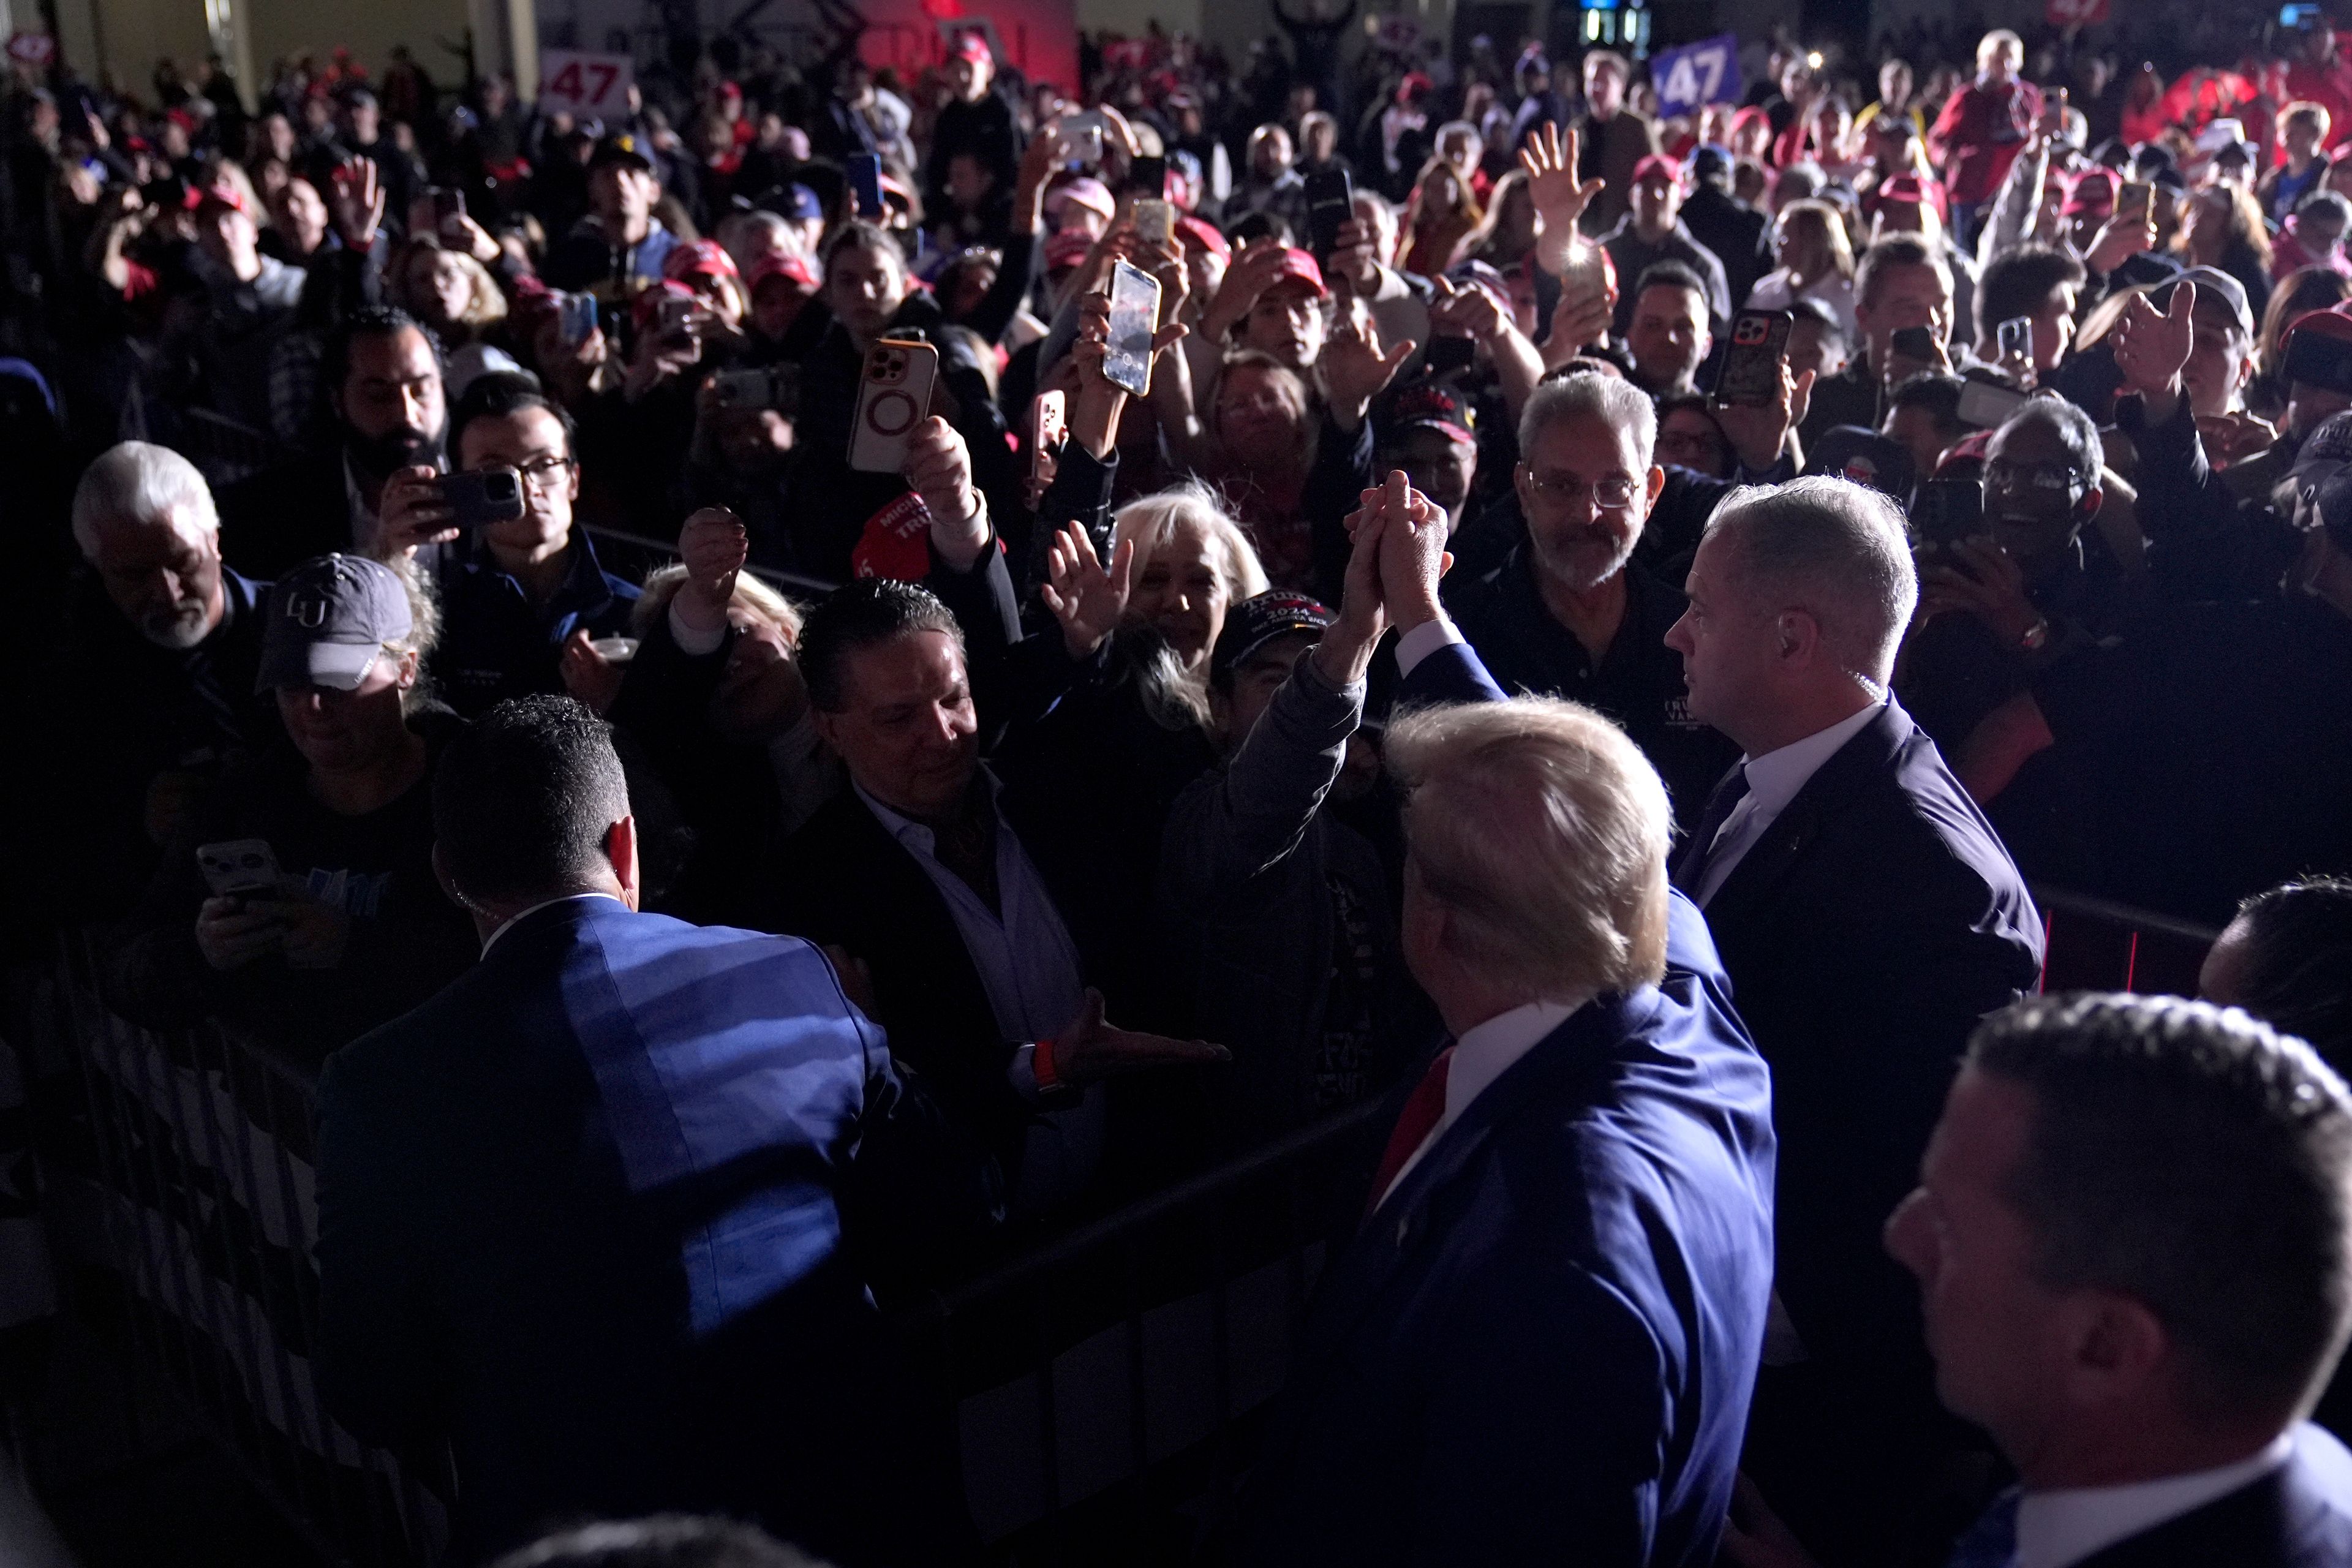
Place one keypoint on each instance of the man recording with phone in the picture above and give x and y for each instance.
(383, 372)
(521, 593)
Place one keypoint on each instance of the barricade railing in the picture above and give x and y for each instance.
(1105, 1385)
(635, 556)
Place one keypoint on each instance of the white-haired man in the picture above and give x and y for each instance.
(1869, 917)
(155, 687)
(1541, 1345)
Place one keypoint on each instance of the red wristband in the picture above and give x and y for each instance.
(1041, 1066)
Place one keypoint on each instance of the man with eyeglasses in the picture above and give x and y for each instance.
(2002, 608)
(1569, 612)
(520, 599)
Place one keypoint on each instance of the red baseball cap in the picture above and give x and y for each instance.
(1202, 233)
(703, 259)
(1298, 266)
(1661, 165)
(974, 46)
(2093, 193)
(799, 269)
(2330, 324)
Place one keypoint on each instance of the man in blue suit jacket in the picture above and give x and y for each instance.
(1539, 1346)
(604, 1212)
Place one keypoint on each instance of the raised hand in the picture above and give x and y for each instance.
(1549, 158)
(1354, 260)
(1412, 554)
(1092, 1048)
(413, 514)
(588, 674)
(1086, 597)
(1251, 275)
(1355, 368)
(1345, 652)
(2120, 239)
(2151, 347)
(1579, 321)
(939, 468)
(1758, 435)
(355, 198)
(1467, 311)
(714, 546)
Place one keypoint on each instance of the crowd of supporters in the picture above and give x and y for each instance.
(1929, 464)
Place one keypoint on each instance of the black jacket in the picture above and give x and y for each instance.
(1638, 681)
(286, 515)
(1876, 920)
(1735, 232)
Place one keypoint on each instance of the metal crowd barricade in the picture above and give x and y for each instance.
(635, 557)
(1105, 1385)
(205, 1211)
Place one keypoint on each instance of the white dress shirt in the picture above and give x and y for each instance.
(1773, 781)
(2058, 1528)
(1485, 1053)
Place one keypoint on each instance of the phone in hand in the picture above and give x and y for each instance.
(1155, 221)
(448, 203)
(1987, 406)
(479, 496)
(776, 386)
(2133, 201)
(1912, 343)
(1330, 202)
(1049, 427)
(240, 867)
(893, 395)
(1134, 319)
(2015, 338)
(1149, 177)
(577, 315)
(1588, 269)
(1948, 511)
(863, 171)
(1081, 137)
(1750, 375)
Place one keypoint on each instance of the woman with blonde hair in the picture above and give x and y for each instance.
(1816, 263)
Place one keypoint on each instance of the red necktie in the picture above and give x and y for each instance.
(1420, 1114)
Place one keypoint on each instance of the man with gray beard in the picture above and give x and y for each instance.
(1569, 612)
(152, 688)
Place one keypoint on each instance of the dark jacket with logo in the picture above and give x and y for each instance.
(497, 643)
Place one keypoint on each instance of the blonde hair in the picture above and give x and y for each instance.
(1830, 230)
(751, 596)
(1543, 832)
(485, 306)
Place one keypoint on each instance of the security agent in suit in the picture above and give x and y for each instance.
(2133, 1238)
(604, 1212)
(1540, 1345)
(1868, 917)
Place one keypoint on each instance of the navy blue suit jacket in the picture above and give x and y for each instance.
(1542, 1346)
(2298, 1515)
(595, 1211)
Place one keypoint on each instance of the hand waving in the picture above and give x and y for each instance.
(1355, 368)
(1086, 597)
(2150, 348)
(1549, 158)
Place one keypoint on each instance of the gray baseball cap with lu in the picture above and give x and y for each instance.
(328, 619)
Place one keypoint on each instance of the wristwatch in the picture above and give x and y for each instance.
(2037, 636)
